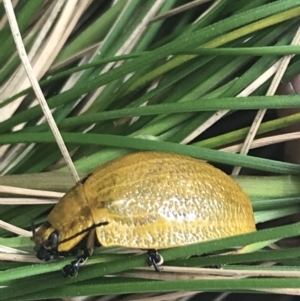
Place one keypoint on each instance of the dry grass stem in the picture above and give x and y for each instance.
(126, 48)
(79, 55)
(264, 141)
(284, 62)
(19, 258)
(35, 85)
(14, 229)
(26, 201)
(159, 297)
(179, 10)
(226, 272)
(282, 291)
(30, 192)
(9, 251)
(220, 114)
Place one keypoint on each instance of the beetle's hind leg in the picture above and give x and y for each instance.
(72, 269)
(155, 259)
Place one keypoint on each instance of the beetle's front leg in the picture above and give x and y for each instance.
(72, 269)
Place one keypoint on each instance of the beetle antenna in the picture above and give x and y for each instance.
(32, 227)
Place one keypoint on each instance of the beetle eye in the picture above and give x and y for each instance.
(53, 240)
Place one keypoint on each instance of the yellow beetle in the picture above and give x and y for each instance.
(146, 200)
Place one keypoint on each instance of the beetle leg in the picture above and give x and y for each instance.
(45, 254)
(72, 269)
(155, 259)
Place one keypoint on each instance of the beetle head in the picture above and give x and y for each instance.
(46, 242)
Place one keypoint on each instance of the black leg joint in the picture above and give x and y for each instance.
(71, 270)
(44, 254)
(154, 259)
